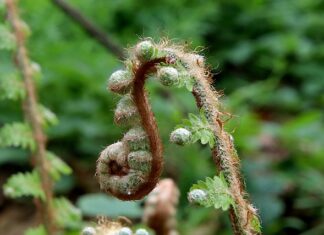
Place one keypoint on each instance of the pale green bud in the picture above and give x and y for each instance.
(141, 231)
(129, 183)
(126, 112)
(88, 231)
(120, 82)
(144, 51)
(140, 160)
(168, 76)
(197, 196)
(180, 136)
(125, 231)
(136, 139)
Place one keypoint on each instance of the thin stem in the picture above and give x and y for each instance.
(148, 123)
(226, 159)
(90, 28)
(33, 117)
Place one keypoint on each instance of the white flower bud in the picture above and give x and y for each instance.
(144, 50)
(141, 231)
(88, 231)
(168, 76)
(120, 82)
(197, 196)
(180, 136)
(125, 231)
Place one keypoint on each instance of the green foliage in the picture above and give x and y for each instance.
(57, 166)
(40, 230)
(276, 67)
(66, 214)
(101, 204)
(186, 81)
(200, 129)
(17, 135)
(7, 40)
(48, 117)
(218, 194)
(256, 224)
(11, 87)
(24, 184)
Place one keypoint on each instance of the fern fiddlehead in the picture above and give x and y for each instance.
(130, 169)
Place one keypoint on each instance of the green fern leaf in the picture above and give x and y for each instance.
(48, 117)
(200, 129)
(58, 167)
(17, 135)
(40, 230)
(24, 184)
(256, 224)
(67, 215)
(217, 193)
(11, 87)
(7, 40)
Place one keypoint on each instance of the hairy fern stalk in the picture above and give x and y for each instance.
(18, 85)
(130, 168)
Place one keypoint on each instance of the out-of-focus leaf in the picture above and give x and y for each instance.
(40, 230)
(11, 87)
(57, 166)
(101, 204)
(24, 184)
(66, 214)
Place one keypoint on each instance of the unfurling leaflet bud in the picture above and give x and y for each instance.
(141, 231)
(120, 82)
(168, 76)
(126, 112)
(136, 139)
(125, 231)
(88, 231)
(129, 183)
(197, 196)
(180, 136)
(144, 50)
(140, 160)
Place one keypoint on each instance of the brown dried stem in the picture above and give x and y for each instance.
(33, 117)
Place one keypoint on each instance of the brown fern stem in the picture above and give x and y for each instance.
(226, 160)
(33, 117)
(149, 124)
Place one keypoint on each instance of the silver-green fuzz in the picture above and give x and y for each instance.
(88, 231)
(144, 50)
(120, 82)
(197, 196)
(141, 231)
(168, 76)
(125, 231)
(180, 136)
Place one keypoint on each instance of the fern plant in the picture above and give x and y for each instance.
(18, 86)
(130, 168)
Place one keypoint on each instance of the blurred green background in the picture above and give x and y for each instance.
(267, 57)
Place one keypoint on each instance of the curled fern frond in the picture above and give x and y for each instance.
(118, 165)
